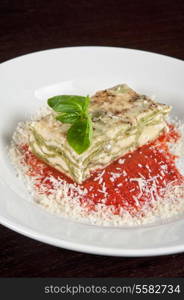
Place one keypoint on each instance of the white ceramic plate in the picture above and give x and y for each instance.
(25, 83)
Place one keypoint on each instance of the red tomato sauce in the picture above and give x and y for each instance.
(129, 182)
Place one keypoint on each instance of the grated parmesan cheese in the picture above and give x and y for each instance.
(64, 199)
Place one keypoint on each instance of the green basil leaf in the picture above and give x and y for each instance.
(68, 117)
(67, 108)
(86, 104)
(67, 103)
(74, 110)
(79, 135)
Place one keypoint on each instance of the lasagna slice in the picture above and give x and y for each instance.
(122, 121)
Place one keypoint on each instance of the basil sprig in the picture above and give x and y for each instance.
(73, 110)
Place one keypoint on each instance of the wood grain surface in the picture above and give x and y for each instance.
(28, 26)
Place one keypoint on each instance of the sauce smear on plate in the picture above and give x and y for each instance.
(135, 179)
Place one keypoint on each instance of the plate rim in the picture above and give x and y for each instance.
(94, 250)
(90, 46)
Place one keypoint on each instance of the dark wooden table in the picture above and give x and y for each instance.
(27, 26)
